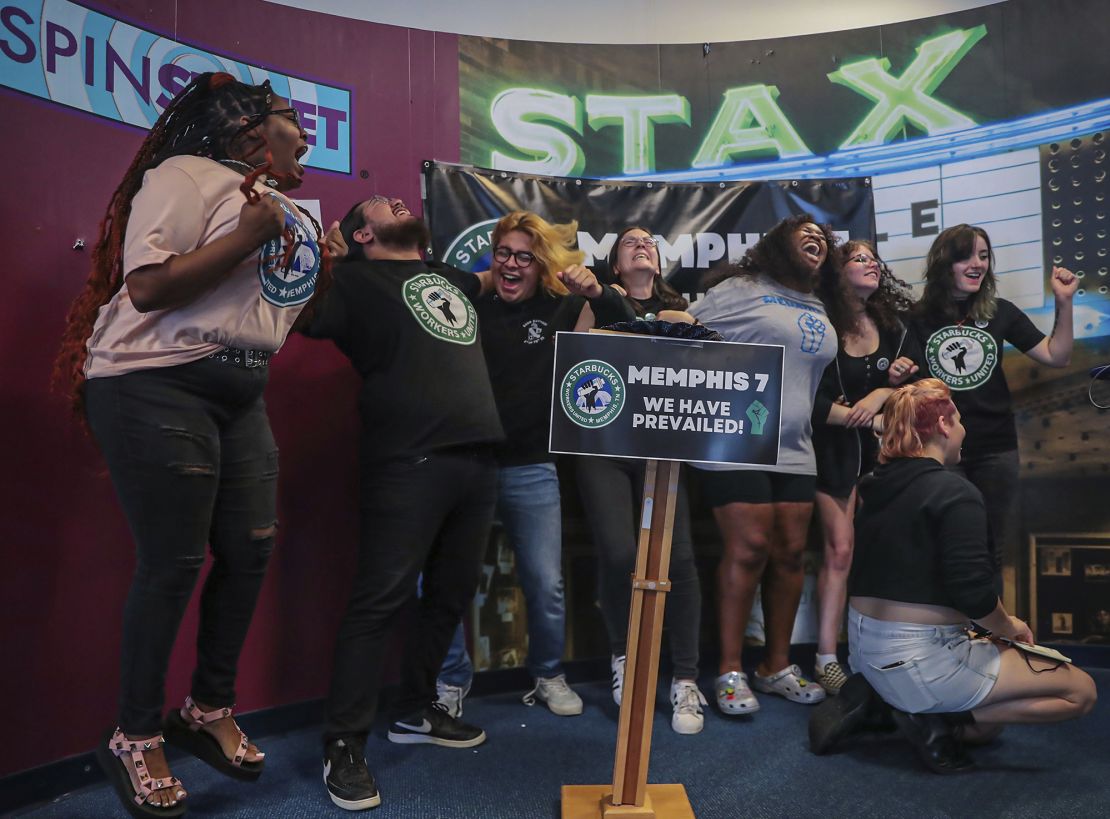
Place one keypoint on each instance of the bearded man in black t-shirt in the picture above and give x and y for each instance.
(428, 480)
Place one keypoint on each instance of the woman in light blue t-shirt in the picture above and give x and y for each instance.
(763, 512)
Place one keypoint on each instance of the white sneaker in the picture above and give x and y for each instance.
(559, 696)
(451, 697)
(617, 666)
(687, 701)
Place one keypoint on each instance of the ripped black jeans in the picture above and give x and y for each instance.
(193, 462)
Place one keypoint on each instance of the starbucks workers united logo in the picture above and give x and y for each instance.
(592, 394)
(441, 308)
(961, 357)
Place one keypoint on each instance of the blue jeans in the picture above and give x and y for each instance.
(457, 669)
(529, 508)
(528, 505)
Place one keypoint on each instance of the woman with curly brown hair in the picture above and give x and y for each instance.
(869, 362)
(201, 268)
(763, 512)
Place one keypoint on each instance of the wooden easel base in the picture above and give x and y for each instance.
(595, 802)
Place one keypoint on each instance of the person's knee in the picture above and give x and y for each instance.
(245, 550)
(838, 554)
(1085, 694)
(789, 560)
(749, 553)
(168, 577)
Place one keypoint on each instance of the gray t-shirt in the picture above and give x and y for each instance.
(758, 310)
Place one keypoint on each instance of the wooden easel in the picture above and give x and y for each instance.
(630, 795)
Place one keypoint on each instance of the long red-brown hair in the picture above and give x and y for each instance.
(204, 119)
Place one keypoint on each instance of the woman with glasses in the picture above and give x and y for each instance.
(635, 264)
(922, 573)
(539, 289)
(202, 266)
(612, 491)
(846, 411)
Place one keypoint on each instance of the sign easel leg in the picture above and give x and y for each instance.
(630, 795)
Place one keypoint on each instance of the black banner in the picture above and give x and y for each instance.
(697, 224)
(673, 399)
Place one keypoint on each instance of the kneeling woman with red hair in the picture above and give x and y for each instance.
(921, 574)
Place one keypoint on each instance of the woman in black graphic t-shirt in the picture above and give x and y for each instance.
(959, 327)
(612, 489)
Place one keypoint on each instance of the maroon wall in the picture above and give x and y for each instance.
(67, 552)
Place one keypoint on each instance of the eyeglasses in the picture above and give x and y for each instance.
(523, 257)
(289, 113)
(632, 241)
(395, 205)
(863, 259)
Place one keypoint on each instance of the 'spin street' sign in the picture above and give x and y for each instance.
(671, 399)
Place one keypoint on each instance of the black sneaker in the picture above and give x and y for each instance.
(351, 786)
(435, 726)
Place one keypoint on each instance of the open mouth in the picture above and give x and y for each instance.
(641, 255)
(510, 278)
(814, 250)
(301, 151)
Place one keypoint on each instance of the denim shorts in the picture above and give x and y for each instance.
(922, 669)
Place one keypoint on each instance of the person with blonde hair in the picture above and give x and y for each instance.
(539, 287)
(922, 582)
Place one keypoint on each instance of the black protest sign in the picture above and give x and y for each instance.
(666, 398)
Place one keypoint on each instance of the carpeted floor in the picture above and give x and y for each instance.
(751, 767)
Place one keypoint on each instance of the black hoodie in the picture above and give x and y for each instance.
(921, 537)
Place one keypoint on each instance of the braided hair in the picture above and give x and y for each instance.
(202, 120)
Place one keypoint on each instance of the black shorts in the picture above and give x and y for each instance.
(755, 486)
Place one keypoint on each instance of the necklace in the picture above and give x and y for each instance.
(243, 167)
(246, 168)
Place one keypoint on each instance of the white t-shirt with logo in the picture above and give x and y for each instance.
(184, 204)
(758, 310)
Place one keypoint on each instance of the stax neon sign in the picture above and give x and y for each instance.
(541, 124)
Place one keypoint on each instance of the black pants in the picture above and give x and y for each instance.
(194, 462)
(612, 491)
(430, 514)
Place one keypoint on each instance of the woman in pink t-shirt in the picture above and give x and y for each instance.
(201, 268)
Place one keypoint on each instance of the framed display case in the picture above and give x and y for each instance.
(1069, 590)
